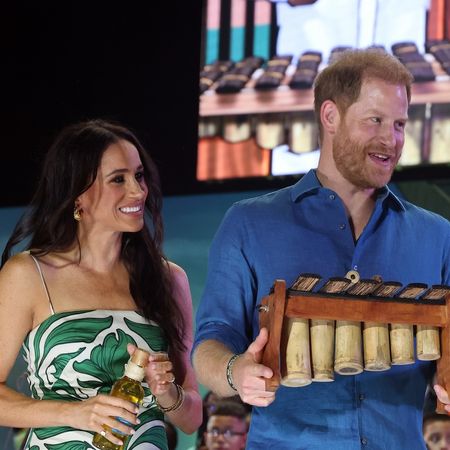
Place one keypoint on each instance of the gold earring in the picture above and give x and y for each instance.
(77, 214)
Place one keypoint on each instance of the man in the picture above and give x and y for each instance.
(227, 427)
(338, 218)
(436, 431)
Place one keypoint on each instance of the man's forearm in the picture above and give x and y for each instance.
(210, 361)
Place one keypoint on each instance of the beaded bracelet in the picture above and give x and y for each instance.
(229, 371)
(178, 402)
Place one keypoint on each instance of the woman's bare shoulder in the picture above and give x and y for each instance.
(178, 276)
(176, 270)
(18, 293)
(19, 265)
(180, 282)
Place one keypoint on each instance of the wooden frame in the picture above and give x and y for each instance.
(282, 304)
(283, 99)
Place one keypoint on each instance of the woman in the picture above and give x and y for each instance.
(92, 286)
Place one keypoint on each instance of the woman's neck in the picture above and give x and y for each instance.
(98, 251)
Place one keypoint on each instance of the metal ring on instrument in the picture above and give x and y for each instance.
(353, 276)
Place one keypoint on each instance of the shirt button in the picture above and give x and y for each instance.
(363, 441)
(342, 226)
(332, 197)
(361, 397)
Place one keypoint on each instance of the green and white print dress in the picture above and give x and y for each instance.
(72, 356)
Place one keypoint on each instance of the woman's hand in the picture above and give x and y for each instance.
(158, 373)
(93, 414)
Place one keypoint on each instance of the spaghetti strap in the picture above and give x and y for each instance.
(52, 310)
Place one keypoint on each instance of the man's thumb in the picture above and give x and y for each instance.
(256, 347)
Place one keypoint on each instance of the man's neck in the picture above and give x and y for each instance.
(358, 202)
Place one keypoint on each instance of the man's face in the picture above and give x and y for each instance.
(437, 435)
(370, 137)
(225, 432)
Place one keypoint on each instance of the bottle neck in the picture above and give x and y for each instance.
(134, 371)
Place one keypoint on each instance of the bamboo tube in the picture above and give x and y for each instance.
(427, 337)
(440, 136)
(412, 153)
(236, 128)
(428, 344)
(401, 335)
(296, 370)
(270, 130)
(296, 367)
(375, 335)
(376, 346)
(322, 336)
(402, 344)
(348, 340)
(322, 349)
(208, 127)
(348, 348)
(303, 133)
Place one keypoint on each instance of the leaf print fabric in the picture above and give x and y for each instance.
(73, 356)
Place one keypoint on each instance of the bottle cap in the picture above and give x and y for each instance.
(140, 357)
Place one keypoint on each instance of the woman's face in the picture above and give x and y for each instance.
(115, 201)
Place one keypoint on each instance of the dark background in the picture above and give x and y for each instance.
(137, 63)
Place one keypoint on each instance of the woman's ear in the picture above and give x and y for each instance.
(78, 202)
(329, 116)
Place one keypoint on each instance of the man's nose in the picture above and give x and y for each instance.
(388, 135)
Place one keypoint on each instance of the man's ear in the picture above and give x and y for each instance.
(329, 116)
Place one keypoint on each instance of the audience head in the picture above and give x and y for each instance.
(436, 431)
(227, 427)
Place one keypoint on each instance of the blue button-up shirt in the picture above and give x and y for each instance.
(305, 229)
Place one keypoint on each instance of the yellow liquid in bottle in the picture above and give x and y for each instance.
(127, 389)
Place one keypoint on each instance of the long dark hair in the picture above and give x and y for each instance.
(69, 169)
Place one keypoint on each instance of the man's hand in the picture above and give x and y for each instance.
(249, 375)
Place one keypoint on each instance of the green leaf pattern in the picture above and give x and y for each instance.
(75, 355)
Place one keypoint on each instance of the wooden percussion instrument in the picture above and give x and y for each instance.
(303, 328)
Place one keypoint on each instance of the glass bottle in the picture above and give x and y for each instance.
(129, 388)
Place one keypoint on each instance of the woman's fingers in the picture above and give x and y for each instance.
(160, 373)
(131, 348)
(102, 410)
(119, 425)
(108, 434)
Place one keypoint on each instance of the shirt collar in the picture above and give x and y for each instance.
(385, 193)
(310, 184)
